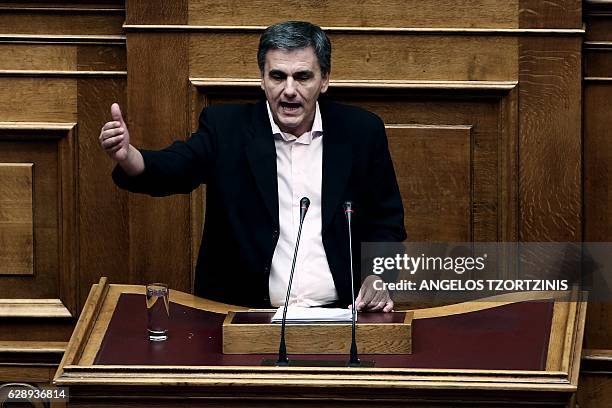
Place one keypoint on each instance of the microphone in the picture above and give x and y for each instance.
(354, 359)
(282, 348)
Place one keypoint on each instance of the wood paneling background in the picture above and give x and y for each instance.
(495, 111)
(595, 388)
(62, 65)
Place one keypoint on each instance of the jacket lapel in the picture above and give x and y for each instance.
(337, 161)
(261, 155)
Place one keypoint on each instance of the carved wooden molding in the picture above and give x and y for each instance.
(64, 39)
(33, 346)
(35, 130)
(82, 8)
(368, 30)
(44, 73)
(52, 308)
(598, 45)
(422, 126)
(504, 86)
(598, 79)
(48, 126)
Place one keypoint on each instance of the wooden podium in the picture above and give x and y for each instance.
(512, 350)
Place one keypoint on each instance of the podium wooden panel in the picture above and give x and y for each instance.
(376, 333)
(109, 362)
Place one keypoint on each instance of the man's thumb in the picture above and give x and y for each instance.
(116, 112)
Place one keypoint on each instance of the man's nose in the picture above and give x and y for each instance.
(290, 88)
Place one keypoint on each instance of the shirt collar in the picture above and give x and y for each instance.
(306, 138)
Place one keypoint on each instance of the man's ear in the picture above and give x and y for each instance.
(325, 83)
(261, 82)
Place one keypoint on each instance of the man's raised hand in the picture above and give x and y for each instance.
(114, 136)
(115, 140)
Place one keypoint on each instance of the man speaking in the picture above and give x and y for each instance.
(258, 161)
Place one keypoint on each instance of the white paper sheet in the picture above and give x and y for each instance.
(297, 314)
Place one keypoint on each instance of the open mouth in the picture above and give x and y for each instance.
(290, 107)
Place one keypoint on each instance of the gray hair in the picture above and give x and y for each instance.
(291, 35)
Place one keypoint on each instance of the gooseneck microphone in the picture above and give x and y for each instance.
(354, 359)
(282, 348)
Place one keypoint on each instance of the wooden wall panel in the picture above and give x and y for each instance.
(550, 159)
(482, 114)
(104, 215)
(445, 58)
(52, 162)
(598, 323)
(357, 56)
(598, 162)
(595, 387)
(37, 99)
(594, 390)
(368, 14)
(156, 12)
(16, 224)
(37, 57)
(60, 22)
(433, 164)
(158, 100)
(597, 62)
(43, 155)
(42, 330)
(598, 26)
(550, 14)
(61, 57)
(106, 57)
(21, 373)
(597, 153)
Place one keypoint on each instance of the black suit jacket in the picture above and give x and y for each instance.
(233, 152)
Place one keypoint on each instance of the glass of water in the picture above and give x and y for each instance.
(158, 311)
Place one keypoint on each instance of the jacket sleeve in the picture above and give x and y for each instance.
(385, 221)
(177, 169)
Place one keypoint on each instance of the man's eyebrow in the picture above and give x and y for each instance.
(303, 73)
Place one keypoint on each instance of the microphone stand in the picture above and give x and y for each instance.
(354, 358)
(282, 348)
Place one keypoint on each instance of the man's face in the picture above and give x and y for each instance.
(292, 82)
